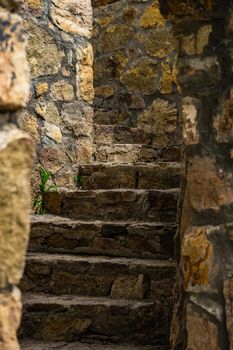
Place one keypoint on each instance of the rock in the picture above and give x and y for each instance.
(29, 123)
(203, 74)
(16, 153)
(35, 6)
(130, 287)
(84, 151)
(169, 77)
(53, 201)
(159, 121)
(75, 111)
(197, 261)
(193, 45)
(160, 42)
(44, 56)
(41, 88)
(183, 8)
(72, 16)
(152, 16)
(114, 38)
(10, 4)
(189, 117)
(143, 76)
(48, 111)
(208, 186)
(104, 91)
(10, 317)
(98, 3)
(223, 121)
(202, 333)
(228, 294)
(53, 158)
(84, 73)
(212, 307)
(53, 132)
(62, 91)
(14, 88)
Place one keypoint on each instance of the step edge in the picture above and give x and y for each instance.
(30, 298)
(102, 259)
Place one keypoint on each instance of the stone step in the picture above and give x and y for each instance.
(71, 318)
(124, 134)
(144, 176)
(34, 345)
(135, 279)
(62, 235)
(135, 153)
(114, 205)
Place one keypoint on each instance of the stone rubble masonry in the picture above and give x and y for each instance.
(202, 316)
(136, 89)
(59, 115)
(134, 53)
(16, 157)
(14, 92)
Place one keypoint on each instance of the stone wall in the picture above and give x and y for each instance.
(16, 152)
(59, 115)
(135, 112)
(135, 83)
(203, 314)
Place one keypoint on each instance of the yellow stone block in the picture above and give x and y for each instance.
(152, 17)
(41, 88)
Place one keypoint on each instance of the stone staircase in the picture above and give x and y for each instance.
(100, 267)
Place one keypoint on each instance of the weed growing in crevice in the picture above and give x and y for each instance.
(44, 186)
(79, 180)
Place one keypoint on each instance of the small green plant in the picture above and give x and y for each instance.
(45, 177)
(79, 180)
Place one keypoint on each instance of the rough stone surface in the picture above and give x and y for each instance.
(14, 89)
(214, 192)
(123, 278)
(85, 317)
(84, 346)
(189, 116)
(10, 316)
(202, 332)
(72, 16)
(142, 240)
(228, 293)
(59, 115)
(159, 121)
(48, 59)
(147, 176)
(16, 152)
(125, 294)
(84, 73)
(202, 318)
(114, 205)
(135, 58)
(197, 260)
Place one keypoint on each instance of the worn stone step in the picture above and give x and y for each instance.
(127, 239)
(135, 153)
(125, 134)
(144, 176)
(99, 276)
(67, 318)
(114, 205)
(34, 345)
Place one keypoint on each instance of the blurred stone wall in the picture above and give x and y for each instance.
(16, 154)
(135, 106)
(59, 116)
(203, 317)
